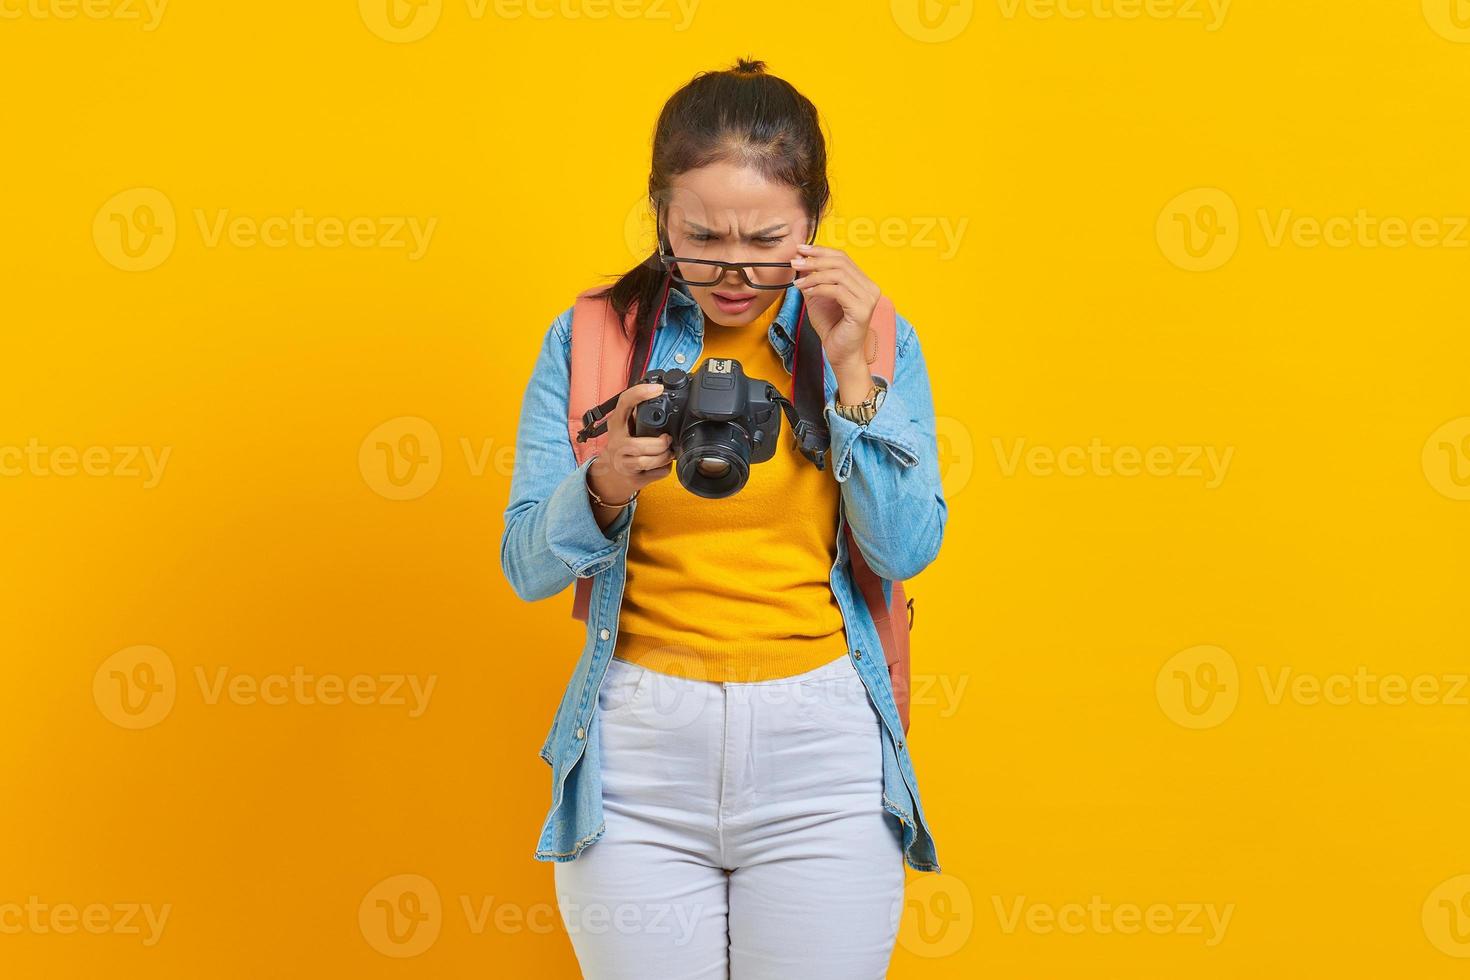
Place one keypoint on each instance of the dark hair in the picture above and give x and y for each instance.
(740, 114)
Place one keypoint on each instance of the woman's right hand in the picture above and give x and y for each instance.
(628, 463)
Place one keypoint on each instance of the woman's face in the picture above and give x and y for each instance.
(731, 213)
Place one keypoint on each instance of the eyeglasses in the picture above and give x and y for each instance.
(708, 272)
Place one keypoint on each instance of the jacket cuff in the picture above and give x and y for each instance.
(891, 427)
(572, 533)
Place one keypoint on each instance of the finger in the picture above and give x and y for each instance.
(638, 393)
(636, 467)
(643, 464)
(657, 474)
(825, 258)
(646, 445)
(849, 274)
(853, 305)
(815, 263)
(817, 257)
(820, 276)
(821, 251)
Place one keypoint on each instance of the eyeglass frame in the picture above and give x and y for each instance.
(671, 261)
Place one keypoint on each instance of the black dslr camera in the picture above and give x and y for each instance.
(721, 421)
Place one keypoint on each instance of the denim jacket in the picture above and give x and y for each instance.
(888, 471)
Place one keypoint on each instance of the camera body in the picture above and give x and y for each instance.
(721, 421)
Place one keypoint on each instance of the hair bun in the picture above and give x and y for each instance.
(749, 66)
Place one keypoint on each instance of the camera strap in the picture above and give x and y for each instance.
(807, 413)
(642, 351)
(594, 420)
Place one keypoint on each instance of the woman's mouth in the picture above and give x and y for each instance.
(732, 304)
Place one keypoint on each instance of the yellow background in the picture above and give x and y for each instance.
(1067, 610)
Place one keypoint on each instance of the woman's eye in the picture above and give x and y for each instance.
(771, 241)
(701, 238)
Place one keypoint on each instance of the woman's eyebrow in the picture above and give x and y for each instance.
(695, 228)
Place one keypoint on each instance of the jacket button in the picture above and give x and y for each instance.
(900, 741)
(857, 655)
(679, 358)
(582, 733)
(603, 633)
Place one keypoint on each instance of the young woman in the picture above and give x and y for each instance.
(732, 793)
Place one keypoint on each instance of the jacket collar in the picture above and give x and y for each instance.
(783, 330)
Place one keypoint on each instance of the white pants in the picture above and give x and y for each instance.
(746, 836)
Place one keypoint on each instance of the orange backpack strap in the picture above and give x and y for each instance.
(884, 351)
(601, 346)
(890, 617)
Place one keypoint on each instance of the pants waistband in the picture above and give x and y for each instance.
(836, 667)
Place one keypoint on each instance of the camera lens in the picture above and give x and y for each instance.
(714, 468)
(714, 458)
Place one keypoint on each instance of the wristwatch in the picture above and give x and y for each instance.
(862, 413)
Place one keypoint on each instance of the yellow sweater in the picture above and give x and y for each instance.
(736, 589)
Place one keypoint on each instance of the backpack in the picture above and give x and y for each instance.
(601, 367)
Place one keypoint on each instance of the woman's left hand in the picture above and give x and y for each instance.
(840, 301)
